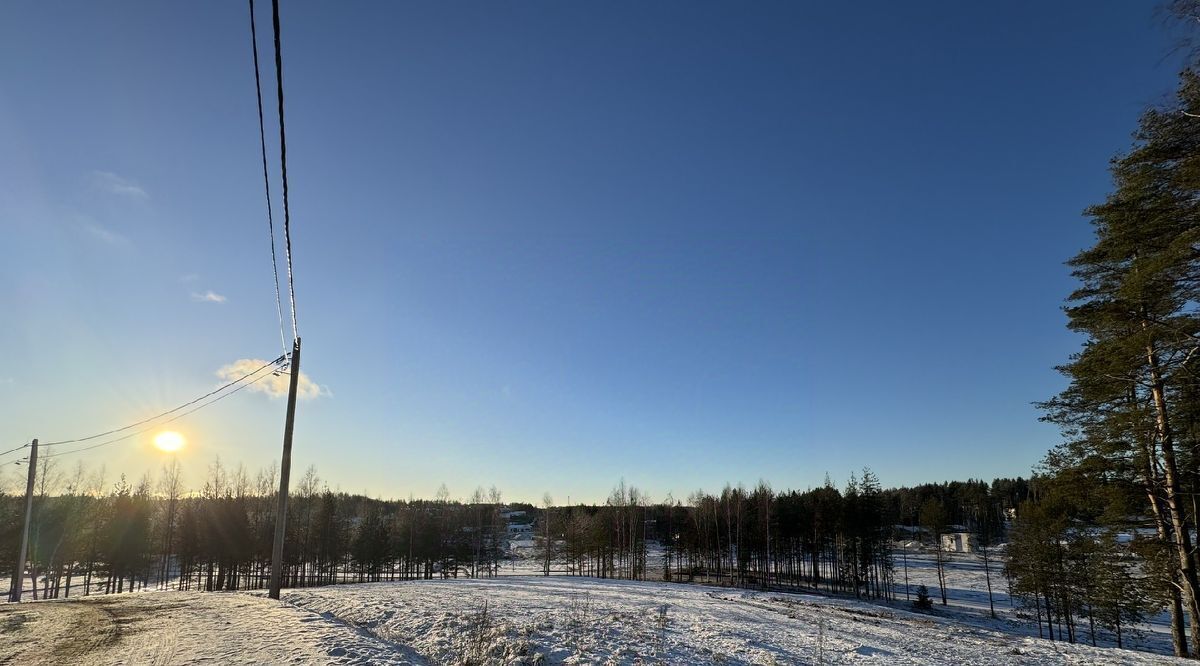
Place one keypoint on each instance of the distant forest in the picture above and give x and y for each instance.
(87, 539)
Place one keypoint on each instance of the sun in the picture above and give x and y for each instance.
(169, 441)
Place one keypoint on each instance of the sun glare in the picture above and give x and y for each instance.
(168, 441)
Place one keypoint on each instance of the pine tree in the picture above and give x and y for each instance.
(1119, 597)
(1125, 410)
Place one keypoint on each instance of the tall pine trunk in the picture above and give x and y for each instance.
(1179, 525)
(1151, 485)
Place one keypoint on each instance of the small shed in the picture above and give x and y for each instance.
(959, 542)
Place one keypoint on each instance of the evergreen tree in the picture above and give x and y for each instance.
(1130, 402)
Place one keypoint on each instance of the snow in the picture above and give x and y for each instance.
(584, 620)
(516, 619)
(520, 618)
(182, 628)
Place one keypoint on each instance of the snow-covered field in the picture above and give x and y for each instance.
(513, 619)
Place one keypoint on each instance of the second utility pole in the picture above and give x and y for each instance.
(18, 579)
(285, 470)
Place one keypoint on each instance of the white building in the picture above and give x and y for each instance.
(959, 542)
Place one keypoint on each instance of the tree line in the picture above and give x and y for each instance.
(90, 537)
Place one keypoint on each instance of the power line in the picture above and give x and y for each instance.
(4, 453)
(156, 425)
(262, 137)
(169, 411)
(14, 450)
(274, 262)
(239, 380)
(287, 218)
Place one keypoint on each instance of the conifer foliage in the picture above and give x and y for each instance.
(1131, 411)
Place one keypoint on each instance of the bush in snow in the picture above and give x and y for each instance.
(923, 602)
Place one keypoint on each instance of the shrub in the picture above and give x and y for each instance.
(923, 602)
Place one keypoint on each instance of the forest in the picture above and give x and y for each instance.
(87, 538)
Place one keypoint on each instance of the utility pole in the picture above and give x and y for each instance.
(285, 470)
(18, 579)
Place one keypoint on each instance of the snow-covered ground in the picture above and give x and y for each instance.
(566, 620)
(181, 628)
(522, 617)
(513, 619)
(966, 591)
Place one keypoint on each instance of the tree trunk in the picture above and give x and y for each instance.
(1183, 540)
(1178, 634)
(987, 573)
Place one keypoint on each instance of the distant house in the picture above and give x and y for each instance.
(519, 528)
(959, 542)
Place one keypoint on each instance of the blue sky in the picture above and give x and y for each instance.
(549, 245)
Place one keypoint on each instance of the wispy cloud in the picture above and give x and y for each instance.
(209, 296)
(274, 385)
(114, 184)
(190, 277)
(105, 235)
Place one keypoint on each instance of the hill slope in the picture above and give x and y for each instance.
(510, 620)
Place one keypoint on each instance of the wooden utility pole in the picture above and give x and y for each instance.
(18, 579)
(285, 469)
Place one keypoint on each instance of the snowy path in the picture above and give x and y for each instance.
(179, 628)
(67, 630)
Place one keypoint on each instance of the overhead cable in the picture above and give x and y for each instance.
(215, 391)
(161, 423)
(262, 138)
(18, 448)
(287, 218)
